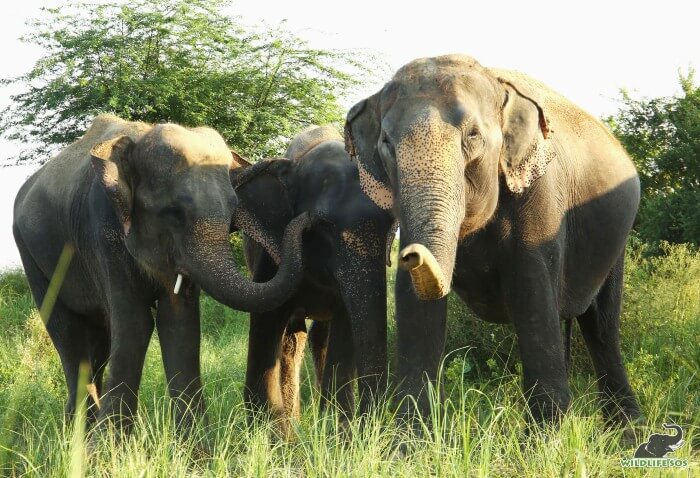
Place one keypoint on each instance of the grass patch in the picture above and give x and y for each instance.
(479, 431)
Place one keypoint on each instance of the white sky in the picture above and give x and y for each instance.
(585, 50)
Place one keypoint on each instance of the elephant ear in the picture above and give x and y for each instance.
(238, 161)
(243, 174)
(110, 161)
(266, 202)
(526, 145)
(362, 129)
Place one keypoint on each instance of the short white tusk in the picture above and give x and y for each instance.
(178, 283)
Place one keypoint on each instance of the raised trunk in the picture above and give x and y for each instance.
(432, 201)
(210, 263)
(678, 436)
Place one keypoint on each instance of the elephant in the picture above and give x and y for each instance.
(344, 286)
(147, 211)
(659, 444)
(518, 200)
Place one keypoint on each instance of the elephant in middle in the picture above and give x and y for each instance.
(343, 289)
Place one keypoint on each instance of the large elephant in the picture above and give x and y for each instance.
(659, 444)
(147, 210)
(515, 198)
(344, 285)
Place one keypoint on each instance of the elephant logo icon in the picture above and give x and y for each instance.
(659, 444)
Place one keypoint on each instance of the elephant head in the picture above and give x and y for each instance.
(437, 144)
(315, 177)
(273, 191)
(267, 195)
(659, 444)
(171, 192)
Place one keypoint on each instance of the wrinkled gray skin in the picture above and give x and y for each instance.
(659, 444)
(515, 198)
(140, 204)
(344, 285)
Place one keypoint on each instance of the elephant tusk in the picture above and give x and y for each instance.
(178, 283)
(92, 391)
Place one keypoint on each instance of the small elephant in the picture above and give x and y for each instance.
(659, 444)
(147, 210)
(515, 198)
(344, 284)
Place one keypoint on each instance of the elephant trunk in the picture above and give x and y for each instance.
(432, 202)
(426, 273)
(209, 262)
(678, 436)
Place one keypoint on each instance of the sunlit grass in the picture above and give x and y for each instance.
(478, 430)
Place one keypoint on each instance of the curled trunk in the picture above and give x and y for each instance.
(679, 433)
(210, 263)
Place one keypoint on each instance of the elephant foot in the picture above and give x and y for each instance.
(189, 417)
(545, 415)
(203, 449)
(631, 437)
(621, 412)
(284, 428)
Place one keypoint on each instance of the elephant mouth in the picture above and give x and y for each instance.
(426, 274)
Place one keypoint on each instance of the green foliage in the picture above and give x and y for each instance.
(663, 137)
(180, 61)
(236, 240)
(478, 431)
(13, 283)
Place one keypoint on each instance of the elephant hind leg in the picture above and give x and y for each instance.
(291, 356)
(99, 348)
(65, 328)
(600, 326)
(68, 335)
(318, 339)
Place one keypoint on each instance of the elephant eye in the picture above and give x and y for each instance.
(473, 143)
(172, 214)
(386, 141)
(387, 147)
(473, 133)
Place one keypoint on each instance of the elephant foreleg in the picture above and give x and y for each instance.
(421, 329)
(532, 303)
(131, 327)
(339, 370)
(178, 326)
(362, 280)
(262, 391)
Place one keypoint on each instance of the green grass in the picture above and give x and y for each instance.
(479, 431)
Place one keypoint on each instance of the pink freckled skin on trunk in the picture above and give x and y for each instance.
(375, 190)
(430, 176)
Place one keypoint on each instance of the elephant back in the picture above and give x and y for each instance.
(560, 113)
(308, 139)
(104, 127)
